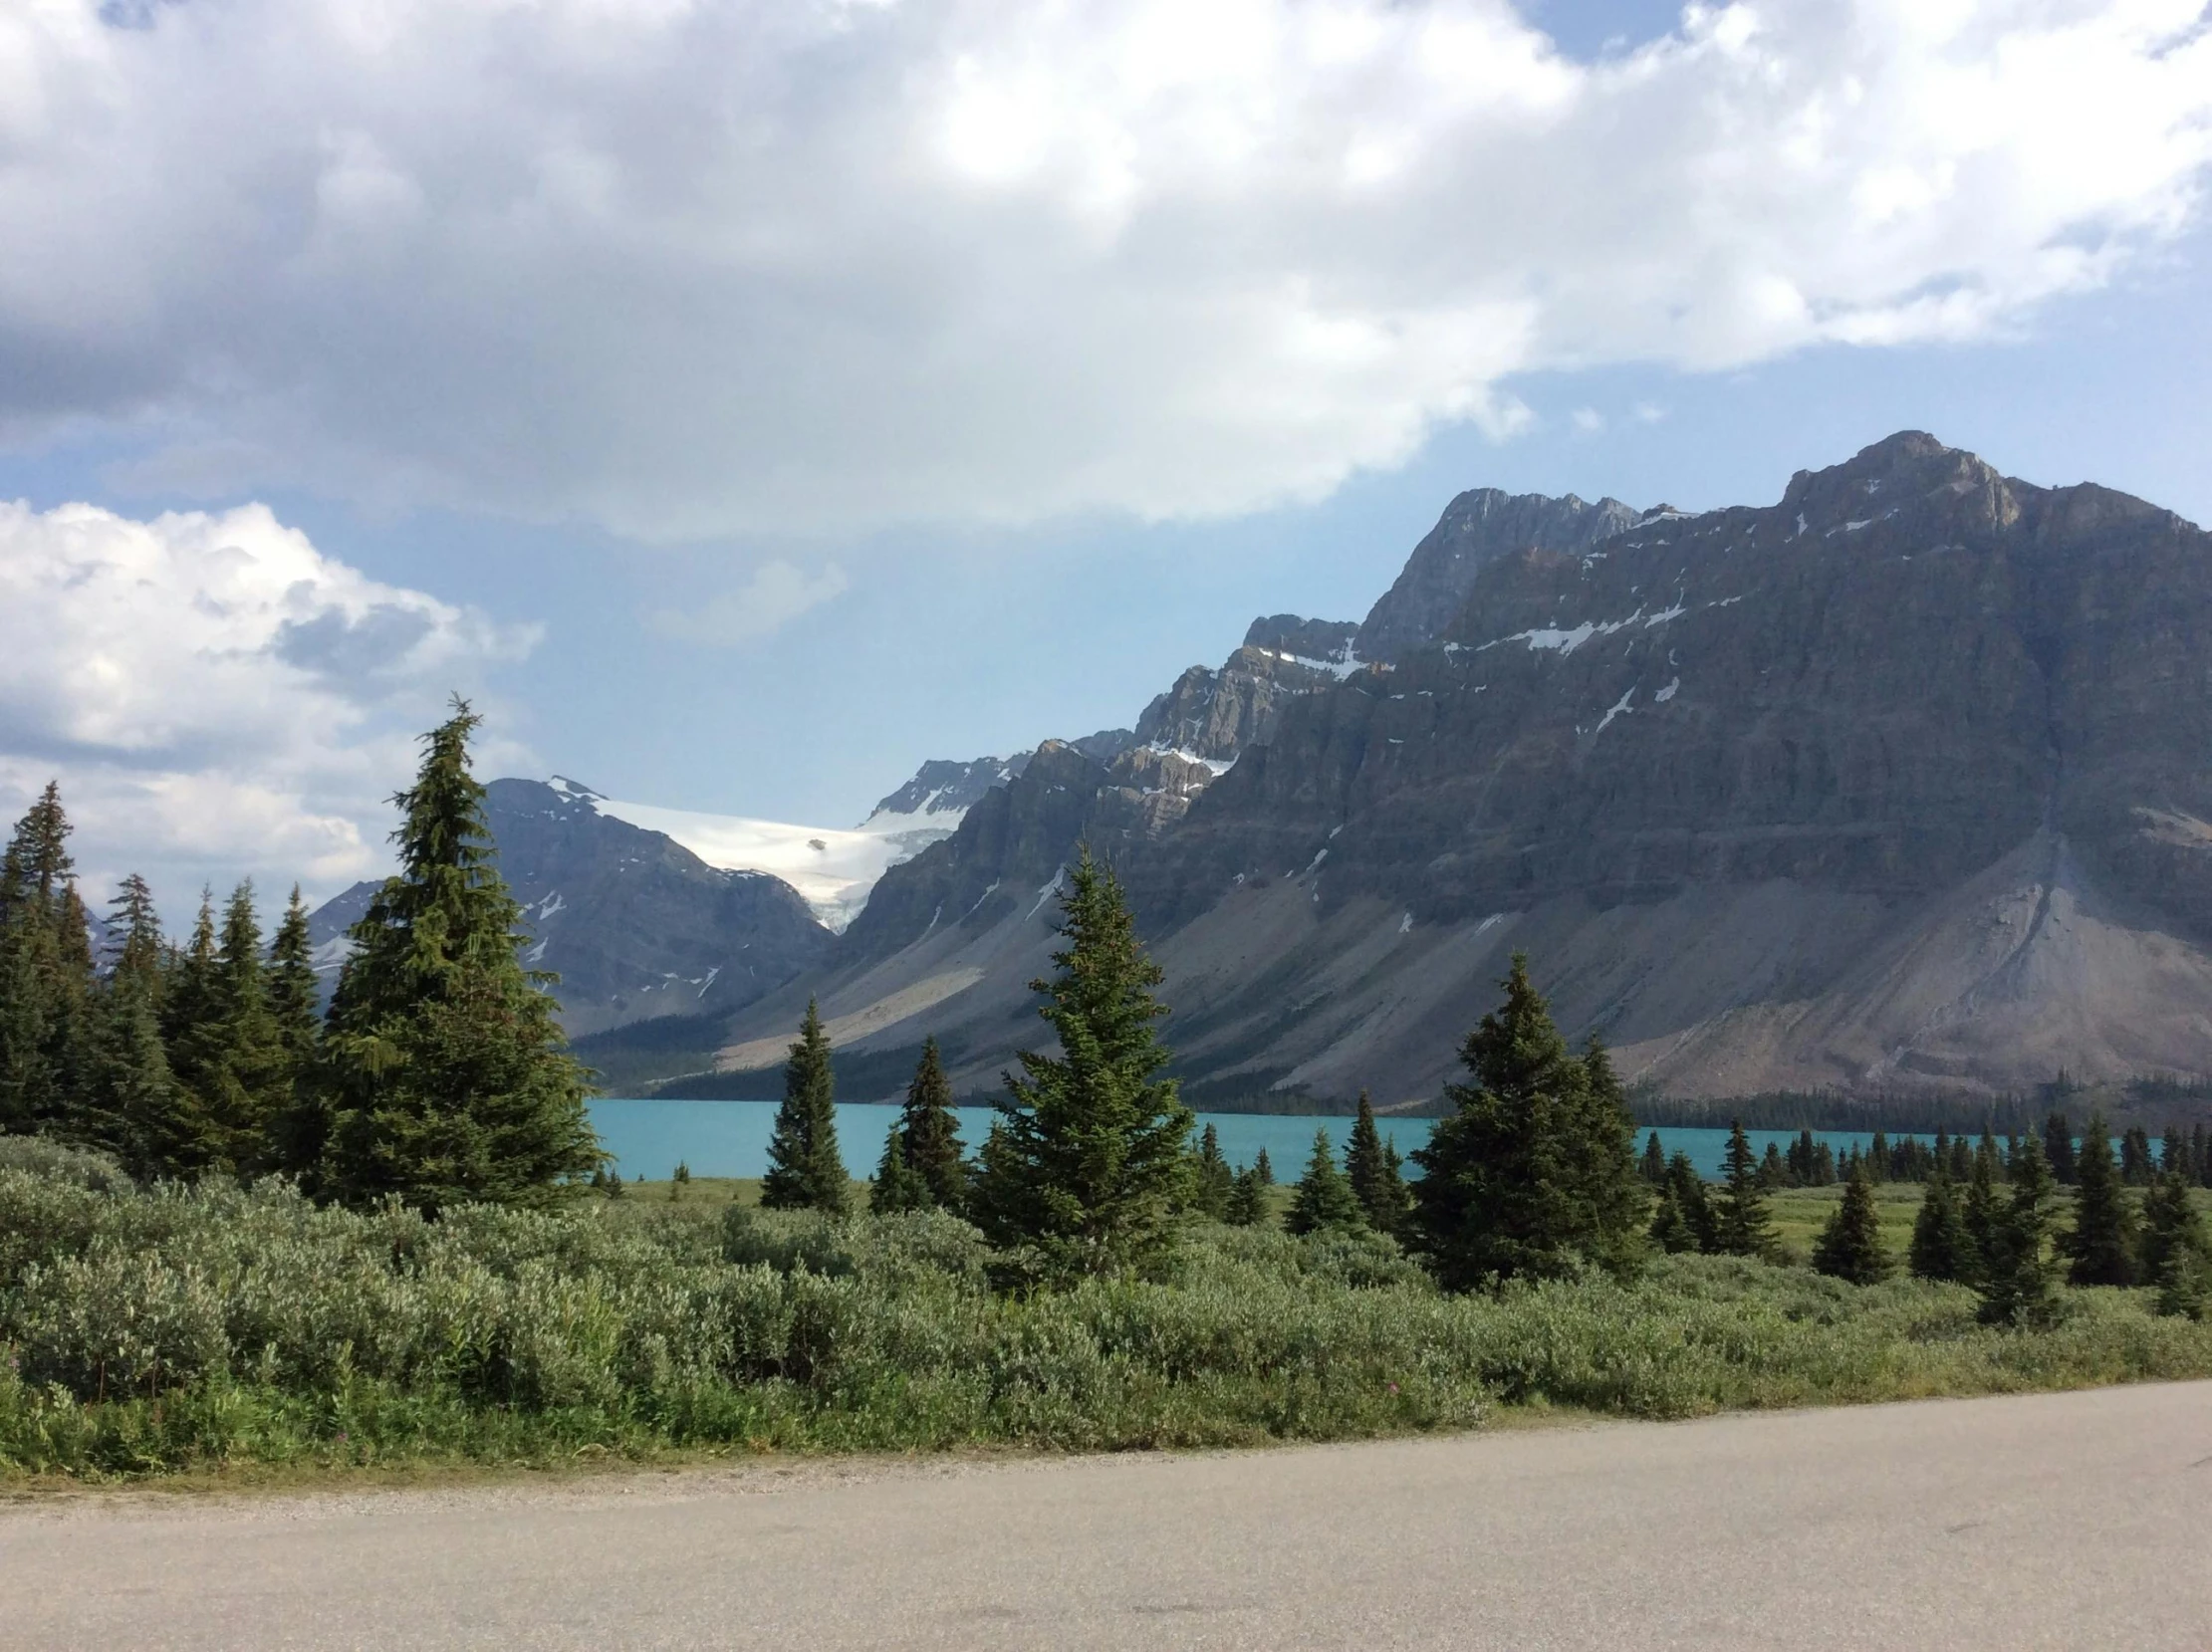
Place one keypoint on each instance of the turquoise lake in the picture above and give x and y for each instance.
(730, 1138)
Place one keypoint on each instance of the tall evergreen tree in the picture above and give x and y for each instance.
(1087, 1163)
(1670, 1230)
(805, 1169)
(2177, 1249)
(2018, 1287)
(1740, 1224)
(1247, 1204)
(1262, 1169)
(1686, 1188)
(2101, 1242)
(1850, 1247)
(127, 1078)
(1534, 1173)
(2135, 1156)
(1371, 1166)
(931, 1134)
(184, 1137)
(46, 974)
(1211, 1177)
(294, 993)
(1942, 1249)
(1979, 1209)
(2057, 1147)
(450, 1080)
(2173, 1153)
(1324, 1199)
(251, 1069)
(1653, 1165)
(897, 1185)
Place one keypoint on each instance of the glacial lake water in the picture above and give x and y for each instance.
(730, 1138)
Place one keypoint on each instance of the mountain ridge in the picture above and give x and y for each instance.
(1888, 784)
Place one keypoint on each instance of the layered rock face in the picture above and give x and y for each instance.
(1904, 781)
(1901, 779)
(1476, 529)
(635, 925)
(1214, 715)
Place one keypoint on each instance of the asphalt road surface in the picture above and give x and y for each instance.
(2048, 1520)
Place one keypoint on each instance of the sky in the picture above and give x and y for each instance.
(744, 401)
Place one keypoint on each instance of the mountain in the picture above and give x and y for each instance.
(1476, 529)
(1897, 784)
(637, 926)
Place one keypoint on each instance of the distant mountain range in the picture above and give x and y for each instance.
(1897, 785)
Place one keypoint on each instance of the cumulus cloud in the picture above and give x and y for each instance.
(775, 594)
(216, 697)
(691, 267)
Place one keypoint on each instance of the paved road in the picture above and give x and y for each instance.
(2061, 1521)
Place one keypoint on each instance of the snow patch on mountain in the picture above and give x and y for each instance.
(831, 869)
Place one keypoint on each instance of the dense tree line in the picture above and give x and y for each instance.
(436, 1075)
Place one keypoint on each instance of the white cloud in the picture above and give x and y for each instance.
(1588, 421)
(690, 267)
(775, 594)
(216, 697)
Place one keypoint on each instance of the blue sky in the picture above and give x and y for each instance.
(821, 482)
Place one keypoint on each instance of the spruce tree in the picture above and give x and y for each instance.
(2177, 1249)
(46, 974)
(1087, 1165)
(126, 1077)
(1247, 1204)
(1850, 1247)
(252, 1068)
(1687, 1189)
(2057, 1147)
(2135, 1156)
(1740, 1224)
(1264, 1170)
(805, 1169)
(1371, 1166)
(303, 1125)
(931, 1134)
(1322, 1199)
(1942, 1249)
(897, 1186)
(1979, 1210)
(1670, 1230)
(1773, 1173)
(185, 1137)
(1654, 1161)
(2101, 1242)
(1211, 1177)
(2018, 1287)
(450, 1081)
(1534, 1173)
(2173, 1153)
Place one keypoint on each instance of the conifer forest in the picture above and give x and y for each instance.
(247, 1222)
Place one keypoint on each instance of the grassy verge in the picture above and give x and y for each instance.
(218, 1332)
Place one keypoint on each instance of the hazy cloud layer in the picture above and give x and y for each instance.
(214, 694)
(775, 594)
(700, 266)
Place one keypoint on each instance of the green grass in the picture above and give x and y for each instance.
(216, 1334)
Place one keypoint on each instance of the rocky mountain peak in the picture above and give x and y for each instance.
(943, 785)
(1213, 715)
(1475, 530)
